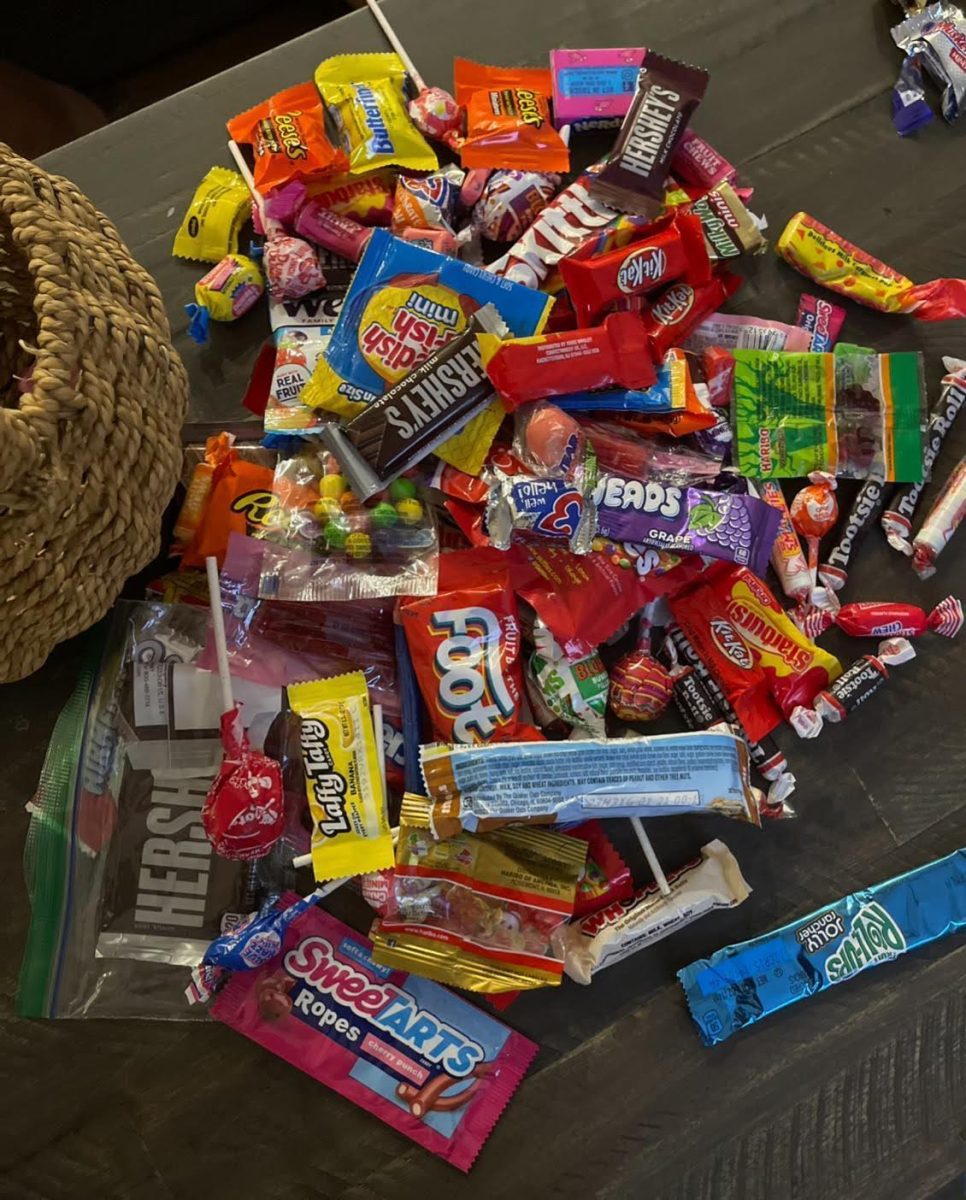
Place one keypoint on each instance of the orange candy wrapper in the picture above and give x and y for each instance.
(508, 118)
(241, 499)
(288, 139)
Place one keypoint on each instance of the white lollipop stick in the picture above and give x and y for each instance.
(305, 860)
(235, 151)
(218, 625)
(396, 44)
(659, 877)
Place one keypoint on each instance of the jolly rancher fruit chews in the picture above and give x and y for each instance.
(667, 94)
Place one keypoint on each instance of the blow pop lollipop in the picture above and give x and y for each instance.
(434, 112)
(814, 511)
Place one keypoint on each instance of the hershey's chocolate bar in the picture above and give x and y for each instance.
(667, 94)
(433, 402)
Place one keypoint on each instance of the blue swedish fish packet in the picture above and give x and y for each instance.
(739, 985)
(405, 301)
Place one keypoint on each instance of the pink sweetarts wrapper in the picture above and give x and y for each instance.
(424, 1061)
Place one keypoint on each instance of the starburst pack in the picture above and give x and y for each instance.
(737, 528)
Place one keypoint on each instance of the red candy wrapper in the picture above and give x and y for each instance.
(613, 355)
(674, 312)
(607, 878)
(872, 619)
(427, 1063)
(674, 249)
(703, 617)
(465, 647)
(243, 814)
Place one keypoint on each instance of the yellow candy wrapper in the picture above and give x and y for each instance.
(343, 784)
(220, 206)
(827, 258)
(478, 912)
(365, 95)
(366, 198)
(224, 293)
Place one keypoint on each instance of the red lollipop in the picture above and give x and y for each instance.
(244, 810)
(814, 511)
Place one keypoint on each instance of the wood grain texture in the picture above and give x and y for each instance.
(857, 1094)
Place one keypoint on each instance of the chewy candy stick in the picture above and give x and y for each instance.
(945, 517)
(741, 984)
(827, 258)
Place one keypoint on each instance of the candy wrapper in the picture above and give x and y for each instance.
(860, 680)
(667, 395)
(667, 95)
(897, 519)
(613, 355)
(866, 507)
(319, 541)
(870, 618)
(240, 499)
(854, 413)
(936, 37)
(673, 313)
(675, 248)
(574, 217)
(367, 198)
(827, 258)
(710, 882)
(217, 450)
(822, 320)
(465, 647)
(508, 118)
(787, 558)
(572, 695)
(593, 89)
(729, 228)
(444, 395)
(942, 521)
(425, 1062)
(225, 293)
(687, 520)
(478, 912)
(696, 162)
(479, 788)
(511, 201)
(365, 95)
(794, 668)
(339, 234)
(210, 228)
(741, 984)
(405, 302)
(606, 878)
(242, 816)
(340, 761)
(747, 333)
(288, 139)
(292, 268)
(428, 203)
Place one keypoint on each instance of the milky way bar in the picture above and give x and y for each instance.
(667, 94)
(429, 405)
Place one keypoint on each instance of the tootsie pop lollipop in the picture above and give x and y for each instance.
(434, 112)
(814, 511)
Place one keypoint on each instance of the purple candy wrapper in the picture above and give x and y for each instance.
(736, 528)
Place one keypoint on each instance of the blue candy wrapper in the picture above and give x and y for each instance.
(656, 399)
(405, 301)
(739, 985)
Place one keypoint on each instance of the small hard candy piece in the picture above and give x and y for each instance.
(358, 545)
(410, 511)
(435, 113)
(292, 268)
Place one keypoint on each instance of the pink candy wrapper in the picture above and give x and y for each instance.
(696, 162)
(822, 320)
(406, 1050)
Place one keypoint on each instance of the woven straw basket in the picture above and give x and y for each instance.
(92, 398)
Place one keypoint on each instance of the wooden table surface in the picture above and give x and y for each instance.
(860, 1092)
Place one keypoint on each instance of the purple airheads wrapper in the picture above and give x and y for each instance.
(736, 528)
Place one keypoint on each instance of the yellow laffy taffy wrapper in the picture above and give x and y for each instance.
(364, 94)
(478, 912)
(343, 783)
(220, 206)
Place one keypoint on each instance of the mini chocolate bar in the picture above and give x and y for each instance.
(729, 228)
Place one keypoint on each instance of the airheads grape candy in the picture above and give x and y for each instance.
(736, 528)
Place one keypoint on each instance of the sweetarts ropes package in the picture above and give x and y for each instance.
(424, 1061)
(405, 301)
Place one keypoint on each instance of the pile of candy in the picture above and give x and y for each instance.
(518, 496)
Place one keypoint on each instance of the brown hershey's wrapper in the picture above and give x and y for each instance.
(433, 402)
(729, 228)
(667, 94)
